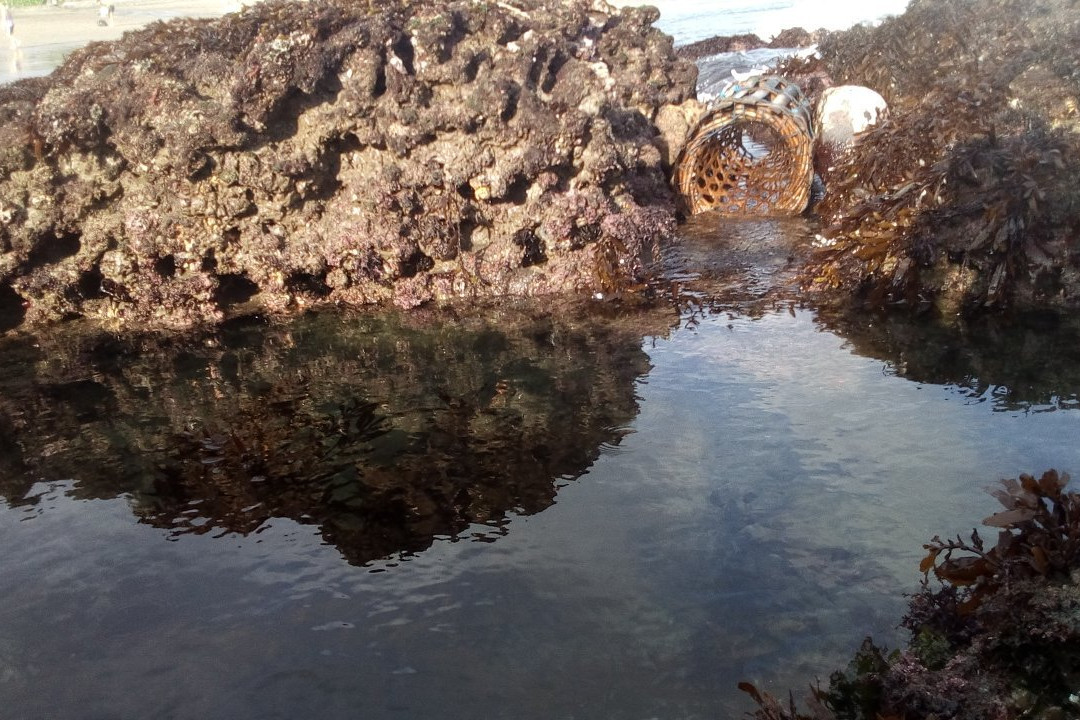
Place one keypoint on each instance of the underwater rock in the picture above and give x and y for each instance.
(318, 153)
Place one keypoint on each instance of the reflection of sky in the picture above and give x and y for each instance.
(855, 430)
(767, 511)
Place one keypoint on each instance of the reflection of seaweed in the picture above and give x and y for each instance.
(1026, 362)
(269, 457)
(383, 431)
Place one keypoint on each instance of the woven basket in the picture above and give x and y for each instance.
(751, 153)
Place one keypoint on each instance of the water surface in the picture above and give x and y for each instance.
(536, 512)
(608, 514)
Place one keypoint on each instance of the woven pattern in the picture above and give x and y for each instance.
(750, 153)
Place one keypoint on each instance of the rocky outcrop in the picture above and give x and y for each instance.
(299, 154)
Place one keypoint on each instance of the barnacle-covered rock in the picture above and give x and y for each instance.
(375, 152)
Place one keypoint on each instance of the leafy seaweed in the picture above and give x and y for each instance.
(1040, 536)
(995, 629)
(965, 197)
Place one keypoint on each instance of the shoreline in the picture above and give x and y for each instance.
(45, 34)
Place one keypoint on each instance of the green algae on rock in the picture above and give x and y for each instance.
(299, 154)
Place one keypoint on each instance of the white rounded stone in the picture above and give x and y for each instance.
(845, 111)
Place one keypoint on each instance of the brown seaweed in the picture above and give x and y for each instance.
(998, 636)
(965, 198)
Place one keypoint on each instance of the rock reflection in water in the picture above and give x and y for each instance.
(1018, 362)
(386, 432)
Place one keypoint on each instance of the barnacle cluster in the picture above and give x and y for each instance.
(337, 153)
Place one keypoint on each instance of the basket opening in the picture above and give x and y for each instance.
(750, 153)
(745, 166)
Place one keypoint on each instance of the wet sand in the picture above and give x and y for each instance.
(45, 34)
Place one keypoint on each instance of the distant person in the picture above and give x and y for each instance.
(105, 13)
(7, 19)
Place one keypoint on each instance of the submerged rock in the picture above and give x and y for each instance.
(298, 154)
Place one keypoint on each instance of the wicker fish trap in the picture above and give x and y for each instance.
(751, 153)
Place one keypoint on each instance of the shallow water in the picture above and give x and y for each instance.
(577, 513)
(591, 514)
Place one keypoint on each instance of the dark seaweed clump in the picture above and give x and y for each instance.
(994, 629)
(966, 197)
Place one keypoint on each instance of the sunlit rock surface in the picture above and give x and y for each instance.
(337, 153)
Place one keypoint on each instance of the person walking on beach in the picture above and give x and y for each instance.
(105, 13)
(7, 20)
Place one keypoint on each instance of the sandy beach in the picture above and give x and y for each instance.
(45, 34)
